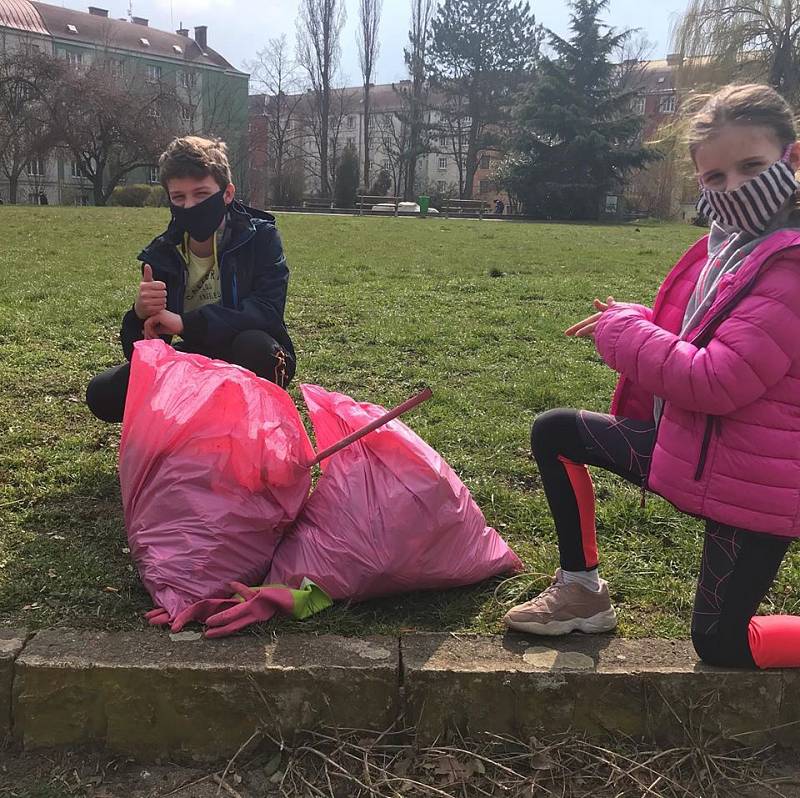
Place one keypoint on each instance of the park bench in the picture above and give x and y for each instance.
(368, 200)
(473, 206)
(318, 202)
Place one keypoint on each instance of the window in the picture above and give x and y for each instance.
(75, 171)
(485, 186)
(637, 105)
(153, 174)
(441, 186)
(443, 163)
(144, 42)
(177, 49)
(154, 112)
(187, 79)
(484, 163)
(351, 122)
(466, 122)
(666, 104)
(442, 141)
(186, 113)
(117, 68)
(153, 73)
(74, 59)
(71, 29)
(612, 203)
(35, 167)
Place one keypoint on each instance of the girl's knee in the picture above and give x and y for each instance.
(550, 428)
(724, 651)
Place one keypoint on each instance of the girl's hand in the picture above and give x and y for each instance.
(585, 328)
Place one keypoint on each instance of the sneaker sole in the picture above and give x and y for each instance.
(602, 622)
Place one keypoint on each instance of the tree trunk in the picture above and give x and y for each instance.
(97, 190)
(324, 171)
(13, 187)
(366, 136)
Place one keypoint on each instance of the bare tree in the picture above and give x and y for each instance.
(114, 121)
(27, 83)
(393, 137)
(724, 40)
(369, 17)
(414, 95)
(454, 126)
(275, 75)
(319, 27)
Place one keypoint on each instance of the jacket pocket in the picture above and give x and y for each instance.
(712, 423)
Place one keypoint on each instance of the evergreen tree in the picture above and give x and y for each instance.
(577, 138)
(346, 186)
(481, 50)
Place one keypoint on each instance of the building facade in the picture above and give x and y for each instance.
(440, 171)
(211, 93)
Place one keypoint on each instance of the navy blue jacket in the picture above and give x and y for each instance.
(254, 277)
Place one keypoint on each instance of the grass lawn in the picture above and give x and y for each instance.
(377, 308)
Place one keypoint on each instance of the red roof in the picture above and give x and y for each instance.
(21, 15)
(43, 18)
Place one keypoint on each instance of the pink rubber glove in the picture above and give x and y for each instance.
(199, 611)
(259, 604)
(157, 617)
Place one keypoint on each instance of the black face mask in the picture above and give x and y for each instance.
(201, 221)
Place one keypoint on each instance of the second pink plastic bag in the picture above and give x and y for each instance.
(212, 468)
(387, 516)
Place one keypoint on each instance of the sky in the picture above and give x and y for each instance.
(238, 29)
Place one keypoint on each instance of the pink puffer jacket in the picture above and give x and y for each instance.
(728, 443)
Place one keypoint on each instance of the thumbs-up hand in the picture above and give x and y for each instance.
(152, 297)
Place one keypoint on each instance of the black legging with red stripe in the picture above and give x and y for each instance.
(738, 566)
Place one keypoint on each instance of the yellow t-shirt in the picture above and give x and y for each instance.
(202, 279)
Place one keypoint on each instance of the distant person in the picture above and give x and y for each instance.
(499, 207)
(707, 408)
(216, 278)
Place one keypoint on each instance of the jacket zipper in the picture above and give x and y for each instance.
(701, 462)
(234, 286)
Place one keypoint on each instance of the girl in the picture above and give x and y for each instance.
(707, 409)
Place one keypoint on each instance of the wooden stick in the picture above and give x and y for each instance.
(409, 404)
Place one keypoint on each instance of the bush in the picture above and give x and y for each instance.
(133, 196)
(346, 185)
(158, 198)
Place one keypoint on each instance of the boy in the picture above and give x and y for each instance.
(217, 278)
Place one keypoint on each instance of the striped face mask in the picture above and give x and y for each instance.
(752, 206)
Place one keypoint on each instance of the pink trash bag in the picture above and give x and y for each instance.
(213, 468)
(387, 516)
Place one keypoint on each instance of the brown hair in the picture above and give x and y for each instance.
(749, 104)
(193, 156)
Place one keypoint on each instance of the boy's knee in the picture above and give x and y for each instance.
(251, 344)
(105, 393)
(263, 355)
(101, 402)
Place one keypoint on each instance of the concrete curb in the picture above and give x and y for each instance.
(148, 695)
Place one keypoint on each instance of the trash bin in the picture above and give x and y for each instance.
(424, 204)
